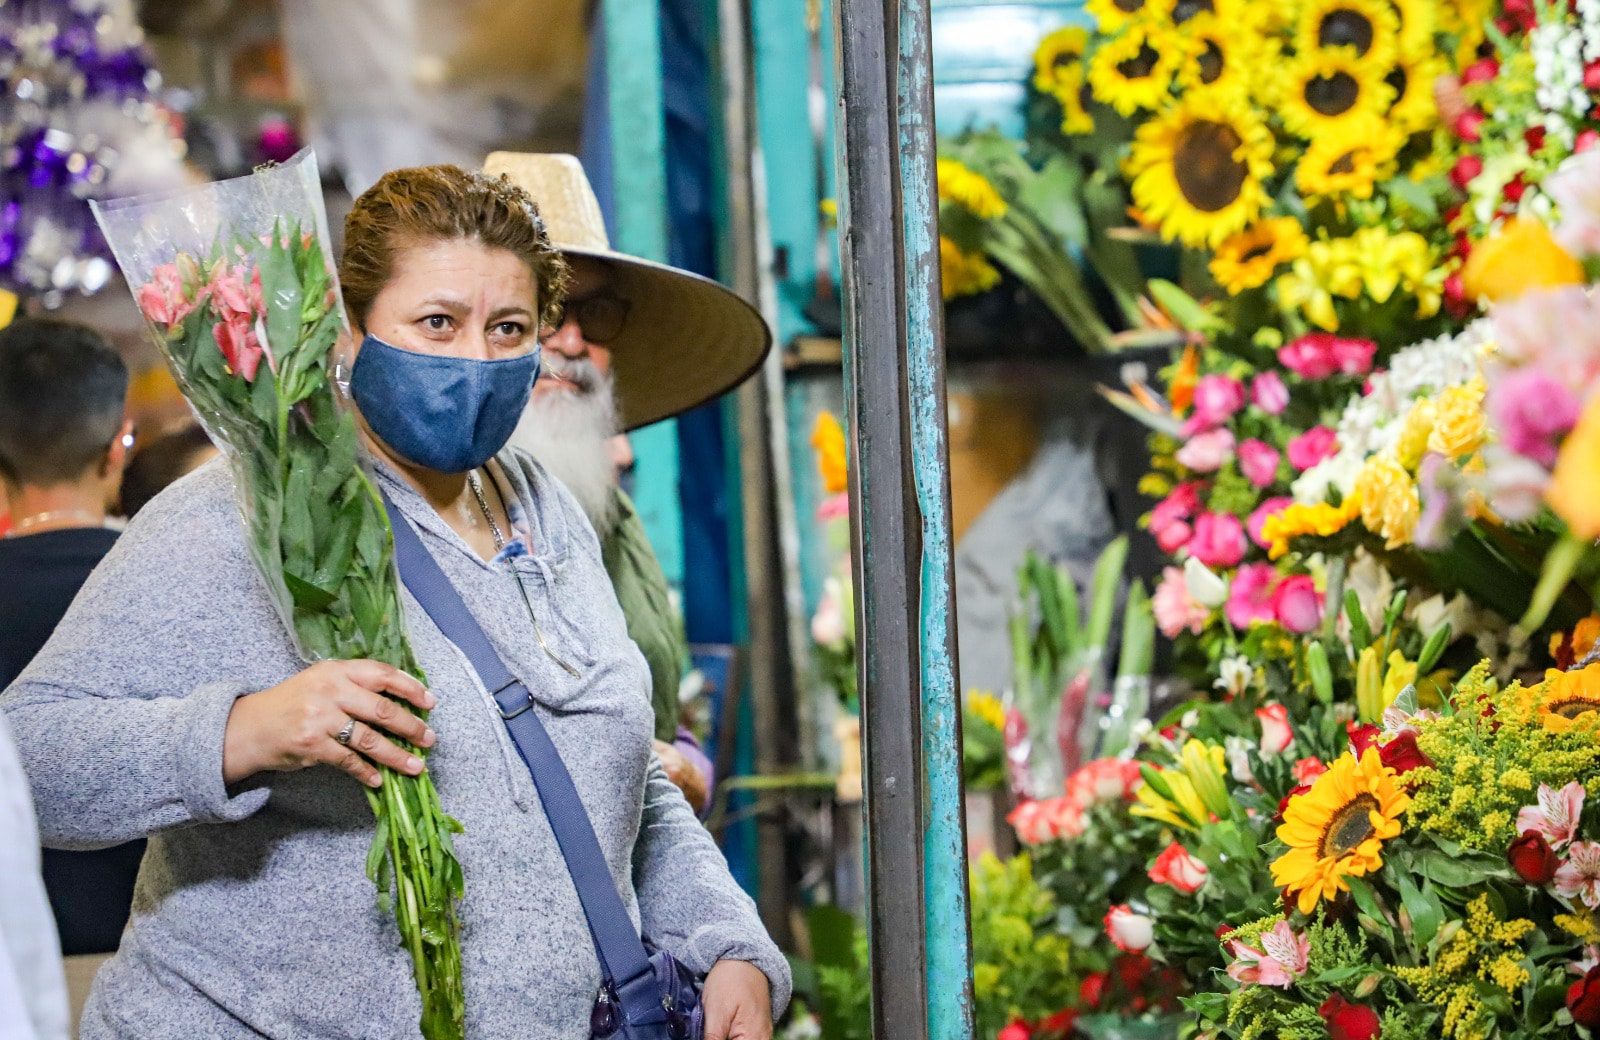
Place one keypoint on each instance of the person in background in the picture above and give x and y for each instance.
(161, 462)
(63, 443)
(637, 342)
(33, 992)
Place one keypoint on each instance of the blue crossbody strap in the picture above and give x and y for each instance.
(622, 954)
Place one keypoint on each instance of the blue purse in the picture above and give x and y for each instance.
(645, 993)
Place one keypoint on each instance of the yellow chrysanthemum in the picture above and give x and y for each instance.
(827, 440)
(1413, 108)
(1337, 829)
(1249, 259)
(964, 187)
(1349, 159)
(1458, 426)
(1061, 52)
(1390, 504)
(1220, 56)
(1198, 168)
(1370, 28)
(1565, 697)
(1113, 16)
(1300, 520)
(963, 273)
(1134, 71)
(1324, 88)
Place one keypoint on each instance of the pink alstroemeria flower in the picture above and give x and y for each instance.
(1278, 961)
(1555, 816)
(1579, 876)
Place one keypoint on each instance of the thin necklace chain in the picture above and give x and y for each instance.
(483, 504)
(54, 514)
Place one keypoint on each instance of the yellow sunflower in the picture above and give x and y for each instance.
(1349, 159)
(1413, 109)
(964, 187)
(1566, 697)
(1059, 55)
(1114, 15)
(1370, 27)
(1219, 56)
(1135, 70)
(1418, 22)
(1323, 88)
(1248, 260)
(1198, 168)
(963, 273)
(1337, 829)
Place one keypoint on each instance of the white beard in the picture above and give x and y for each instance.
(568, 432)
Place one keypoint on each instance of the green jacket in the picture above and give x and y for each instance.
(646, 604)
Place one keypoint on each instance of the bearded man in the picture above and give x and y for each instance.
(637, 342)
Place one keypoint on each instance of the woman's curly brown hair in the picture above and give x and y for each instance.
(434, 203)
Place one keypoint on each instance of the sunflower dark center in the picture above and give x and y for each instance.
(1333, 95)
(1348, 827)
(1256, 252)
(1397, 79)
(1572, 707)
(1204, 165)
(1140, 65)
(1130, 6)
(1211, 63)
(1346, 28)
(1065, 60)
(1184, 10)
(1346, 163)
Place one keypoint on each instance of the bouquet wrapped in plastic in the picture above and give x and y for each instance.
(238, 285)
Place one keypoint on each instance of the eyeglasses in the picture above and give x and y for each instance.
(601, 317)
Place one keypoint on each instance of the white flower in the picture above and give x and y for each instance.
(1205, 587)
(1238, 749)
(1128, 931)
(1338, 472)
(828, 624)
(1435, 612)
(1234, 675)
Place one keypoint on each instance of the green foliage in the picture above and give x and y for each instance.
(1021, 967)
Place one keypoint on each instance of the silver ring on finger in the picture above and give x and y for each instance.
(344, 735)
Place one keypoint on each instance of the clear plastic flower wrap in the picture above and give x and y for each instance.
(237, 283)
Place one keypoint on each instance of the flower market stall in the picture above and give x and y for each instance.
(1361, 238)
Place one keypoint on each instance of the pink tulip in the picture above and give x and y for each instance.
(1207, 452)
(1218, 540)
(1258, 461)
(1297, 605)
(1250, 597)
(1311, 447)
(1217, 399)
(1258, 519)
(1269, 393)
(1276, 734)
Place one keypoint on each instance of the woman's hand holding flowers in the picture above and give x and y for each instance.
(738, 1002)
(297, 724)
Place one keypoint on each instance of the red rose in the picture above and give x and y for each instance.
(1515, 188)
(1402, 754)
(1534, 137)
(1591, 76)
(1092, 990)
(1299, 790)
(1131, 969)
(1017, 1030)
(1587, 139)
(1058, 1025)
(1362, 736)
(1533, 859)
(1469, 125)
(1465, 171)
(1347, 1021)
(1455, 296)
(1481, 71)
(1583, 999)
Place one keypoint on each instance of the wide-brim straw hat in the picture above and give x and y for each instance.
(686, 339)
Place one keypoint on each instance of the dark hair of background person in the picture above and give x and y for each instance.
(62, 394)
(158, 463)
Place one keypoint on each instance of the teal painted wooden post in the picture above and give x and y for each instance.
(639, 179)
(900, 506)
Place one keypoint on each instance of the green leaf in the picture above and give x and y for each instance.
(1459, 872)
(1107, 580)
(1184, 309)
(1052, 195)
(308, 596)
(1426, 914)
(1366, 899)
(283, 295)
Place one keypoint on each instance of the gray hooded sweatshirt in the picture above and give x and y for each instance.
(252, 915)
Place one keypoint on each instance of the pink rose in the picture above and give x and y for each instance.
(1269, 393)
(1296, 604)
(1311, 447)
(239, 347)
(1258, 519)
(162, 299)
(1128, 931)
(1353, 356)
(1206, 452)
(1532, 411)
(1177, 867)
(1309, 356)
(1250, 598)
(1217, 399)
(1174, 536)
(1176, 610)
(1258, 461)
(1218, 540)
(1276, 734)
(1172, 514)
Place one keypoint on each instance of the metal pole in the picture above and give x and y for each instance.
(900, 495)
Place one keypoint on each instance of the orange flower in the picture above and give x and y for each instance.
(1521, 256)
(1574, 491)
(1185, 380)
(827, 437)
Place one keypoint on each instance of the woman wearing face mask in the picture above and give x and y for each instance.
(170, 704)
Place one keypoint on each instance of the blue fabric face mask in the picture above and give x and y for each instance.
(449, 414)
